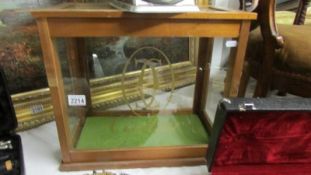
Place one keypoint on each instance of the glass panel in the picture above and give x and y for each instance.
(76, 83)
(223, 51)
(136, 73)
(141, 94)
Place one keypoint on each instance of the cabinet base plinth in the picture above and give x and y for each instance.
(131, 164)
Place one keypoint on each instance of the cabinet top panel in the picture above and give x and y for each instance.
(104, 10)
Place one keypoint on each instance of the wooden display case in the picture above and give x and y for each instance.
(160, 122)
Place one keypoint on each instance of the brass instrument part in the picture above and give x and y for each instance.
(151, 63)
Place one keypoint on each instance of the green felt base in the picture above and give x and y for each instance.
(144, 131)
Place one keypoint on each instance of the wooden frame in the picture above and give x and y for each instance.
(62, 21)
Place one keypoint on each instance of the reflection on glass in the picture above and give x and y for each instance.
(141, 94)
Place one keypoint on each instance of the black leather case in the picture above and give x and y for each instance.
(8, 124)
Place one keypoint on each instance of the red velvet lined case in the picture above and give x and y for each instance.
(261, 137)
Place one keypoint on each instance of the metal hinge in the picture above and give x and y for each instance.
(247, 106)
(226, 100)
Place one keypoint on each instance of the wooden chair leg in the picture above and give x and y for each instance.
(265, 72)
(262, 86)
(258, 90)
(244, 80)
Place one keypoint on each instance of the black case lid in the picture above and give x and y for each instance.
(8, 121)
(228, 105)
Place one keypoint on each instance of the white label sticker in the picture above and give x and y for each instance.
(76, 100)
(231, 43)
(35, 109)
